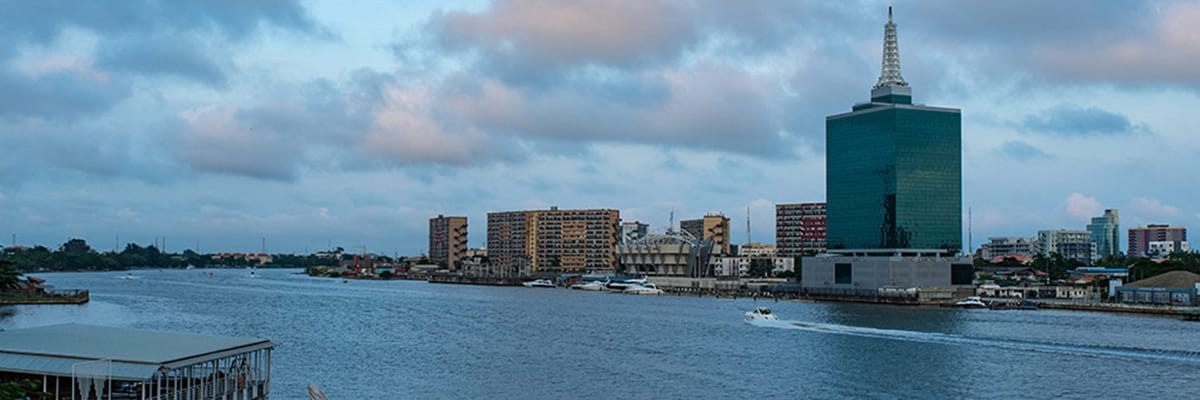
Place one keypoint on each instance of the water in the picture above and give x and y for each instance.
(404, 339)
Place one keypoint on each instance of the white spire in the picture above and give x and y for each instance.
(891, 57)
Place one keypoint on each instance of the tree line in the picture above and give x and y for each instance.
(1058, 267)
(77, 255)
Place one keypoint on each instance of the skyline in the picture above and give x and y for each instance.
(308, 122)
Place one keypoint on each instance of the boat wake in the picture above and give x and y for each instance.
(1122, 352)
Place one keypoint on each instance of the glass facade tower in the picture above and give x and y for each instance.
(894, 169)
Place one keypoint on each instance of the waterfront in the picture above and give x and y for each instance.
(411, 339)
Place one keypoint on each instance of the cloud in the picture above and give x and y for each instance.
(67, 93)
(1070, 121)
(524, 40)
(1149, 208)
(167, 55)
(213, 139)
(1082, 207)
(1022, 151)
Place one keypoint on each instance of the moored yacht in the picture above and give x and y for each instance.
(539, 283)
(645, 288)
(971, 302)
(589, 286)
(761, 314)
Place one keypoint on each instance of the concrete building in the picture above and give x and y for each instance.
(507, 238)
(553, 241)
(1106, 233)
(712, 227)
(1071, 245)
(1177, 288)
(1015, 247)
(632, 231)
(1165, 248)
(447, 240)
(799, 228)
(1140, 238)
(864, 272)
(894, 169)
(894, 193)
(666, 255)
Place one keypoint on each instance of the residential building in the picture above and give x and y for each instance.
(1071, 245)
(632, 231)
(1106, 233)
(1140, 238)
(1015, 247)
(712, 226)
(1165, 248)
(550, 241)
(507, 236)
(799, 228)
(893, 193)
(447, 241)
(894, 169)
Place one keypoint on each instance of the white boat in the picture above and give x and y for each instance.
(647, 288)
(129, 276)
(761, 314)
(540, 283)
(971, 302)
(589, 286)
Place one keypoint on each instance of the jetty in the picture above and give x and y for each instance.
(55, 297)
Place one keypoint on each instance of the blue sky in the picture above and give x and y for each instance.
(219, 123)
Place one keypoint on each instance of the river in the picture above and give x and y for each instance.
(415, 340)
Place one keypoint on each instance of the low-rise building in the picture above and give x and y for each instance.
(864, 272)
(1178, 288)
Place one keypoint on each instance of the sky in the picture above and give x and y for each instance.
(224, 125)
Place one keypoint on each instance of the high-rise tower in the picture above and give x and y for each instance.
(894, 169)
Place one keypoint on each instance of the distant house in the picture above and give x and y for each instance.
(1179, 288)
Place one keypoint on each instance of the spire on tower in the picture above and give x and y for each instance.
(890, 76)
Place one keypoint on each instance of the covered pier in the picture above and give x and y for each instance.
(85, 362)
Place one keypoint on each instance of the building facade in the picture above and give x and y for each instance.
(549, 241)
(1016, 247)
(711, 227)
(799, 228)
(632, 231)
(447, 240)
(1106, 233)
(894, 169)
(1140, 238)
(1071, 245)
(666, 255)
(507, 234)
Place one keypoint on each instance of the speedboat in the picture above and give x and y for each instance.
(540, 283)
(761, 314)
(589, 286)
(647, 288)
(971, 302)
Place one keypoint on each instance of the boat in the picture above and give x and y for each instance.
(647, 288)
(1028, 305)
(539, 283)
(129, 276)
(624, 282)
(761, 314)
(971, 302)
(589, 286)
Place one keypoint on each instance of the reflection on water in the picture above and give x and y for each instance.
(403, 339)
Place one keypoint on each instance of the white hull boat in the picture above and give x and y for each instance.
(540, 283)
(761, 314)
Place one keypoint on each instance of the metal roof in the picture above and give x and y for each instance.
(135, 354)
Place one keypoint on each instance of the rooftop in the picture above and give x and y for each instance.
(135, 354)
(1173, 279)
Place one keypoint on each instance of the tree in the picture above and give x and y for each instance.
(76, 247)
(10, 278)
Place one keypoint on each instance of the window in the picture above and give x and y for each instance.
(961, 274)
(841, 274)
